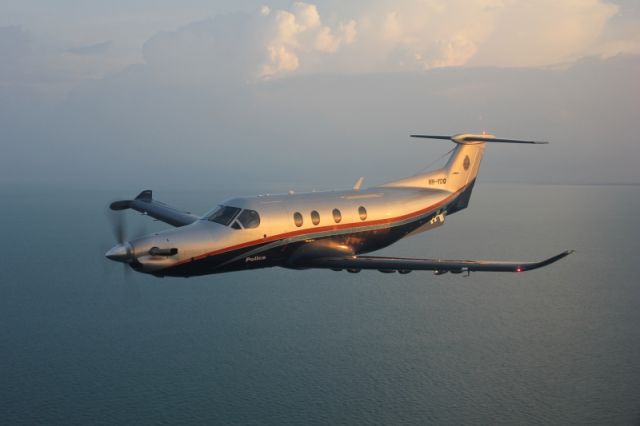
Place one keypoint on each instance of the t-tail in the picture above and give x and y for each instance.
(459, 174)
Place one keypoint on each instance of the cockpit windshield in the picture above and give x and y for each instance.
(223, 215)
(231, 216)
(249, 219)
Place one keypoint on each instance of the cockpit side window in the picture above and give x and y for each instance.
(249, 219)
(224, 215)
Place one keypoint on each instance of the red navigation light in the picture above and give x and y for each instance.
(518, 269)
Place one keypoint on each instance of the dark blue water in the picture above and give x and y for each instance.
(80, 344)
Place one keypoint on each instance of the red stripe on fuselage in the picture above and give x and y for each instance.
(312, 231)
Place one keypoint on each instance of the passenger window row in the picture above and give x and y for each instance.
(237, 218)
(298, 220)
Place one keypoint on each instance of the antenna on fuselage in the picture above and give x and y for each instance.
(358, 184)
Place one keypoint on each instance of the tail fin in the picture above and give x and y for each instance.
(461, 168)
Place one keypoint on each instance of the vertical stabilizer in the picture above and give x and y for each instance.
(461, 169)
(459, 174)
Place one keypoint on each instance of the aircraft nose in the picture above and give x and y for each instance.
(120, 253)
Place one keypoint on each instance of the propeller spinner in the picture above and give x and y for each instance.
(122, 252)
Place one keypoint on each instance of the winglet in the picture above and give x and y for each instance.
(146, 195)
(549, 261)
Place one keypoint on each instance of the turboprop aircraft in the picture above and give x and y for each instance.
(326, 230)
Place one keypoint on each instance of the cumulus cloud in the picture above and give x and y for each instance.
(424, 34)
(301, 32)
(329, 41)
(388, 35)
(546, 32)
(248, 47)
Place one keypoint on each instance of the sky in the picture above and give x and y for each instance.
(286, 94)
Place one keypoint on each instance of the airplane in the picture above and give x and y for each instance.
(319, 230)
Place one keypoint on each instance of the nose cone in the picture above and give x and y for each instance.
(120, 253)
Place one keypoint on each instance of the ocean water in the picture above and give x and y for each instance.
(81, 343)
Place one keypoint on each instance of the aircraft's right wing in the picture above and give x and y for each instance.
(392, 264)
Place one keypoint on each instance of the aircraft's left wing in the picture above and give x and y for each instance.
(403, 265)
(145, 204)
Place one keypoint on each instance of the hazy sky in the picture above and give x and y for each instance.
(159, 93)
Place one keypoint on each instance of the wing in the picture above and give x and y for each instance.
(145, 204)
(404, 265)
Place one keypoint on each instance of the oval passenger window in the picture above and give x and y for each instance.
(297, 219)
(362, 212)
(315, 217)
(337, 216)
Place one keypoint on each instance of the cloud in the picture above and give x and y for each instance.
(304, 38)
(138, 127)
(301, 32)
(26, 65)
(546, 32)
(425, 34)
(91, 49)
(247, 47)
(181, 114)
(36, 65)
(329, 41)
(216, 51)
(16, 52)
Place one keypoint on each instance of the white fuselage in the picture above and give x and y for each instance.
(340, 214)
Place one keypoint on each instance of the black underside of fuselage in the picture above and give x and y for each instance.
(360, 242)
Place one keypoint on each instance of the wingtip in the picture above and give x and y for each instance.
(120, 205)
(546, 262)
(559, 256)
(562, 255)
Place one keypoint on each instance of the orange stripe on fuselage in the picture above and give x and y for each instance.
(311, 231)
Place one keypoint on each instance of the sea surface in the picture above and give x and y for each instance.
(82, 343)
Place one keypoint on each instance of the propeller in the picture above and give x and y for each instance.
(118, 226)
(120, 230)
(122, 251)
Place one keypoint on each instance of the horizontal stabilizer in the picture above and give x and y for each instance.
(469, 138)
